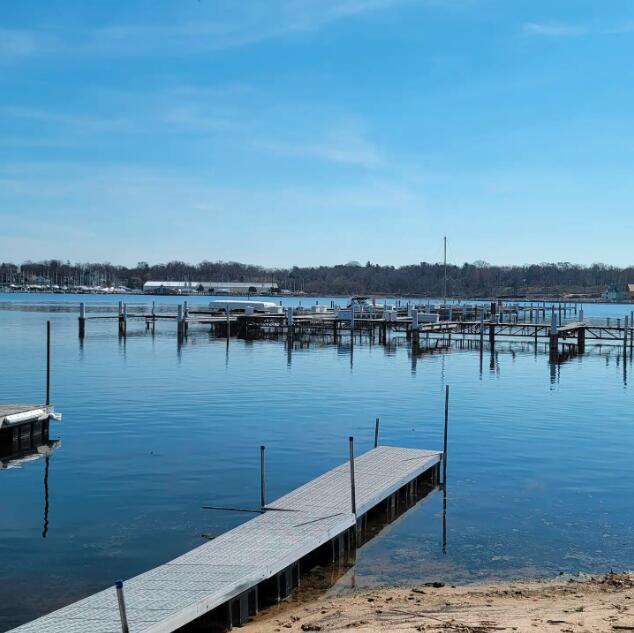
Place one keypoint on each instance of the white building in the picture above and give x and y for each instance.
(209, 287)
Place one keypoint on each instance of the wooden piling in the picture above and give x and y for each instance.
(122, 610)
(123, 312)
(82, 320)
(481, 331)
(353, 495)
(180, 330)
(581, 339)
(289, 321)
(444, 452)
(554, 338)
(376, 433)
(48, 363)
(262, 479)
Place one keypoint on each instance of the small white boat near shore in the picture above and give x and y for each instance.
(247, 306)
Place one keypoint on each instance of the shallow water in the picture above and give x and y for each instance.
(540, 458)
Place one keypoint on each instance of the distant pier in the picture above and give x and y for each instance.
(558, 324)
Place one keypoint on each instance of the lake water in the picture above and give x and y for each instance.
(539, 472)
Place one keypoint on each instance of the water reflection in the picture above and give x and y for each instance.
(21, 445)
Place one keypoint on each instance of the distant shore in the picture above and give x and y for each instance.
(566, 604)
(312, 295)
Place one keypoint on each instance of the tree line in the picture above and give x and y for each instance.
(477, 279)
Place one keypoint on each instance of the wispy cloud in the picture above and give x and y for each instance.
(16, 43)
(554, 29)
(343, 146)
(195, 114)
(114, 204)
(563, 29)
(237, 24)
(79, 123)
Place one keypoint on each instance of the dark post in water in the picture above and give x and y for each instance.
(48, 363)
(122, 611)
(376, 433)
(444, 452)
(262, 479)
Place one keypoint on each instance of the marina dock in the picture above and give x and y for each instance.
(562, 326)
(228, 579)
(13, 415)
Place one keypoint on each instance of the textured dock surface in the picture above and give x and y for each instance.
(7, 410)
(167, 597)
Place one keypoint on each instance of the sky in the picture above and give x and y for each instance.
(307, 132)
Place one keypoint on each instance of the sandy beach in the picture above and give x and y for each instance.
(565, 604)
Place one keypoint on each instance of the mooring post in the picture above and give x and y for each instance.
(262, 479)
(444, 452)
(625, 327)
(82, 319)
(48, 363)
(123, 313)
(581, 338)
(122, 611)
(376, 433)
(228, 315)
(554, 338)
(353, 497)
(481, 330)
(179, 321)
(153, 310)
(352, 324)
(289, 321)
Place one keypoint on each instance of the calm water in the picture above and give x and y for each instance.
(540, 462)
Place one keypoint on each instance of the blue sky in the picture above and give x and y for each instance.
(304, 132)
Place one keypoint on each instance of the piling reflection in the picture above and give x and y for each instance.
(329, 564)
(26, 443)
(322, 577)
(419, 346)
(21, 445)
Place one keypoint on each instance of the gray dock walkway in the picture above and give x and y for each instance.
(235, 564)
(13, 414)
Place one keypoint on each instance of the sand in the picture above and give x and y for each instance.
(600, 603)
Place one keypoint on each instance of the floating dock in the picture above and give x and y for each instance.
(12, 415)
(227, 580)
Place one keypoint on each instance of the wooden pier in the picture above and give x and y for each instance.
(419, 323)
(228, 579)
(14, 415)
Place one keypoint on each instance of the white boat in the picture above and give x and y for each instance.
(236, 305)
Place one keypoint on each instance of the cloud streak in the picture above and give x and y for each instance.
(553, 29)
(240, 24)
(343, 146)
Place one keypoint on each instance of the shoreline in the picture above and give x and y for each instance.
(566, 604)
(312, 295)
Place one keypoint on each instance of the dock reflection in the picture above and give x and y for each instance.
(21, 445)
